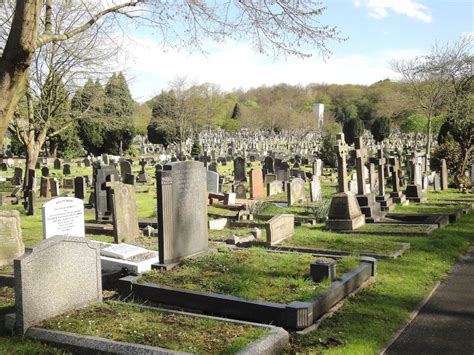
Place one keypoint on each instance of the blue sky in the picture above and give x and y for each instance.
(377, 30)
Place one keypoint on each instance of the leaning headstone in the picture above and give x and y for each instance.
(63, 216)
(182, 211)
(124, 209)
(279, 228)
(17, 178)
(54, 276)
(11, 242)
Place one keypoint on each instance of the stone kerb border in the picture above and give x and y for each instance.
(340, 253)
(295, 315)
(275, 341)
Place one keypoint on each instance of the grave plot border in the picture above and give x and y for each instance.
(442, 220)
(295, 315)
(429, 230)
(275, 341)
(340, 253)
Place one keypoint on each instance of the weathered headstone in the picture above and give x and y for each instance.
(17, 178)
(63, 216)
(54, 187)
(279, 228)
(103, 212)
(315, 189)
(57, 164)
(44, 187)
(54, 276)
(45, 171)
(125, 168)
(239, 169)
(256, 184)
(11, 242)
(182, 211)
(212, 182)
(344, 211)
(295, 191)
(444, 175)
(124, 210)
(274, 187)
(240, 190)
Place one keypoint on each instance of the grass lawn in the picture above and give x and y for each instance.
(370, 318)
(134, 324)
(399, 228)
(427, 208)
(318, 238)
(226, 233)
(254, 274)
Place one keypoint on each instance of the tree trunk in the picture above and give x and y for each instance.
(16, 59)
(428, 144)
(53, 149)
(32, 152)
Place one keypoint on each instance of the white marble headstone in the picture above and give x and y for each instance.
(63, 216)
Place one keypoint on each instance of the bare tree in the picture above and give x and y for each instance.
(55, 72)
(433, 78)
(271, 26)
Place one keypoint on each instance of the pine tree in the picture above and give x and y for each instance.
(236, 111)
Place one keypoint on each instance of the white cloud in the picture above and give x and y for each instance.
(380, 8)
(233, 65)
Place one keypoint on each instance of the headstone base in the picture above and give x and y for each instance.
(414, 193)
(344, 212)
(386, 202)
(398, 197)
(370, 208)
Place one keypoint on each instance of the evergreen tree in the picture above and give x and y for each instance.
(380, 128)
(196, 149)
(353, 129)
(236, 111)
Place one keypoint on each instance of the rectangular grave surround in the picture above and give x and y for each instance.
(295, 315)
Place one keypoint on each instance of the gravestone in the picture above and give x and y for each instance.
(54, 276)
(274, 187)
(212, 182)
(54, 187)
(129, 179)
(344, 211)
(256, 184)
(63, 216)
(318, 167)
(212, 167)
(396, 195)
(80, 187)
(268, 164)
(295, 191)
(444, 175)
(315, 189)
(437, 182)
(3, 166)
(385, 201)
(125, 168)
(240, 190)
(124, 211)
(57, 164)
(101, 175)
(182, 211)
(11, 242)
(45, 171)
(44, 187)
(17, 178)
(67, 169)
(143, 177)
(279, 228)
(239, 169)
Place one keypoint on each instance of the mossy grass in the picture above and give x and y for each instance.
(135, 324)
(255, 274)
(318, 238)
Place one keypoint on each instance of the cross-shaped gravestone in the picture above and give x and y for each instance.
(360, 164)
(381, 162)
(395, 174)
(341, 150)
(142, 165)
